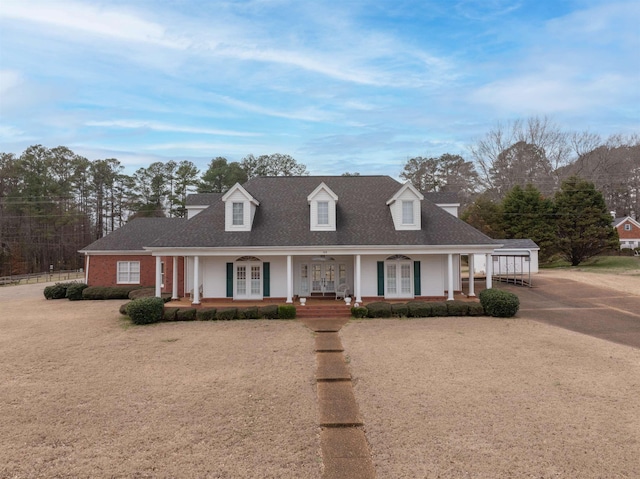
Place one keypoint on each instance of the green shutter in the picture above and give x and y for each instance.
(380, 278)
(229, 280)
(416, 278)
(266, 280)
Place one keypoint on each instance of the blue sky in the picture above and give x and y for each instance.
(351, 85)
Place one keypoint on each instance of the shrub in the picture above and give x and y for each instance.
(379, 310)
(499, 303)
(74, 291)
(123, 308)
(476, 309)
(55, 292)
(457, 308)
(399, 310)
(269, 311)
(359, 312)
(287, 311)
(142, 293)
(145, 310)
(206, 314)
(226, 314)
(169, 314)
(251, 312)
(419, 309)
(108, 292)
(186, 314)
(439, 308)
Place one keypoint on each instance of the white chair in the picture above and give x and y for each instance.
(342, 291)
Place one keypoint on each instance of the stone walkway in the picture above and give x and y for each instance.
(345, 452)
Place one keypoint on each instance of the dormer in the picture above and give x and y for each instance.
(239, 209)
(322, 209)
(405, 208)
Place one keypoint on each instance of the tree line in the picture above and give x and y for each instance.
(53, 201)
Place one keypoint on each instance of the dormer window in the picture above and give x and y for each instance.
(323, 212)
(238, 213)
(322, 209)
(627, 227)
(407, 212)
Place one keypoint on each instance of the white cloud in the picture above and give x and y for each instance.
(158, 126)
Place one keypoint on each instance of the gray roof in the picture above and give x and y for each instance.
(198, 199)
(517, 244)
(136, 234)
(442, 197)
(362, 218)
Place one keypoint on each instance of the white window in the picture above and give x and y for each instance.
(238, 214)
(323, 212)
(627, 227)
(407, 213)
(128, 272)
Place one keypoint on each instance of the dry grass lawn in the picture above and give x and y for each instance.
(84, 394)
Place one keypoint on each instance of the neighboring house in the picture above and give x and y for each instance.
(628, 231)
(519, 256)
(283, 237)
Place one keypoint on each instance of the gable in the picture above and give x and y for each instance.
(322, 208)
(405, 206)
(239, 208)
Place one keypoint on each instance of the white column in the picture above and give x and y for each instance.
(489, 269)
(158, 277)
(289, 279)
(472, 291)
(86, 270)
(174, 279)
(358, 281)
(196, 280)
(450, 277)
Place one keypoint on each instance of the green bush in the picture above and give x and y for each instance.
(55, 292)
(476, 309)
(269, 311)
(226, 314)
(419, 309)
(186, 314)
(287, 311)
(123, 308)
(379, 310)
(399, 310)
(251, 312)
(108, 292)
(142, 293)
(146, 310)
(169, 314)
(499, 303)
(439, 309)
(359, 312)
(457, 308)
(206, 314)
(74, 291)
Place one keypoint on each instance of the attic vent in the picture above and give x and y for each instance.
(398, 257)
(247, 258)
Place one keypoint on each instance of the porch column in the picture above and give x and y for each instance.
(174, 280)
(196, 280)
(450, 276)
(489, 270)
(289, 279)
(158, 277)
(358, 281)
(472, 291)
(86, 270)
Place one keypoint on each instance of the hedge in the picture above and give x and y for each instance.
(476, 309)
(206, 314)
(74, 291)
(108, 292)
(419, 309)
(379, 310)
(146, 310)
(457, 308)
(123, 308)
(169, 314)
(269, 311)
(399, 310)
(226, 314)
(58, 290)
(359, 312)
(250, 312)
(438, 309)
(499, 303)
(186, 314)
(286, 311)
(142, 293)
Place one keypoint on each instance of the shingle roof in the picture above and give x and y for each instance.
(362, 218)
(198, 199)
(517, 244)
(136, 234)
(441, 197)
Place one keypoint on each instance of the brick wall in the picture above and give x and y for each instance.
(633, 234)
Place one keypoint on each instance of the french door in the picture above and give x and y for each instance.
(248, 280)
(398, 279)
(322, 278)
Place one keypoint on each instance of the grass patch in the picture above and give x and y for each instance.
(600, 264)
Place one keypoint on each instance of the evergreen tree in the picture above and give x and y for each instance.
(486, 216)
(584, 226)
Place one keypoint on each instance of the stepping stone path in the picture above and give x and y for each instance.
(345, 452)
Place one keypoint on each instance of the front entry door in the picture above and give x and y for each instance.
(398, 279)
(248, 280)
(323, 278)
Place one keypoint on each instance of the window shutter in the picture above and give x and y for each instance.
(266, 279)
(380, 278)
(229, 280)
(416, 278)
